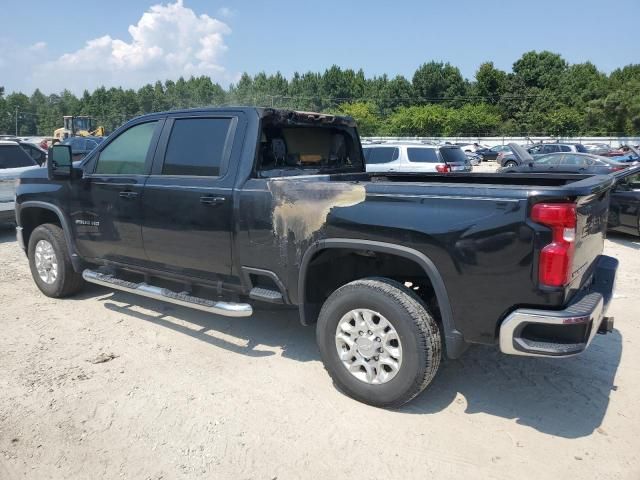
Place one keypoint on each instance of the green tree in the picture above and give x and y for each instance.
(476, 120)
(438, 81)
(365, 114)
(490, 83)
(418, 120)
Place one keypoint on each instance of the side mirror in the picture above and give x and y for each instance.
(60, 162)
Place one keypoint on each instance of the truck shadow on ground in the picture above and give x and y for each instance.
(268, 327)
(563, 397)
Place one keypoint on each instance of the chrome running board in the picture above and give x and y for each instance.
(227, 309)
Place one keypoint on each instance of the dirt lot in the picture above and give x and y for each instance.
(190, 395)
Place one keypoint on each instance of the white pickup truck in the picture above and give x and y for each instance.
(13, 161)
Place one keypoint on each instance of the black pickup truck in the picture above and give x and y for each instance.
(218, 208)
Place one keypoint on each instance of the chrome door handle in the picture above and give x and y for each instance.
(210, 200)
(128, 194)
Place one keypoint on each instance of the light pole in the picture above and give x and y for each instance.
(16, 121)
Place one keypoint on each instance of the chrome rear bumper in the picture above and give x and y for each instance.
(562, 333)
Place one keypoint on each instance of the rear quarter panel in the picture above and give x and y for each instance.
(482, 245)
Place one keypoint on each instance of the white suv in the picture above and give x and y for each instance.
(415, 158)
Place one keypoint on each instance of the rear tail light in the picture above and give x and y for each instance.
(443, 168)
(556, 258)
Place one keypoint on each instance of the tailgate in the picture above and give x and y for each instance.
(591, 215)
(591, 227)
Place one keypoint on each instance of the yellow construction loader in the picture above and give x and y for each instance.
(77, 126)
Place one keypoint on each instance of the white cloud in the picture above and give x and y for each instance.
(169, 41)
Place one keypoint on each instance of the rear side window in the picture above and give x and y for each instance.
(453, 155)
(196, 147)
(382, 155)
(423, 155)
(565, 148)
(12, 156)
(581, 148)
(128, 152)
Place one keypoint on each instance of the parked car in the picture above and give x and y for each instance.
(542, 149)
(485, 152)
(395, 270)
(624, 210)
(563, 162)
(415, 158)
(80, 146)
(35, 151)
(13, 161)
(474, 158)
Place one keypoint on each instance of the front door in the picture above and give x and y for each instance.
(106, 208)
(188, 199)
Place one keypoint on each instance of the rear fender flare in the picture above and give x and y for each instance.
(454, 341)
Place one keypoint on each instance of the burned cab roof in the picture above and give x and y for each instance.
(295, 117)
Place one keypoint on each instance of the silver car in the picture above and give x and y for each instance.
(13, 161)
(415, 158)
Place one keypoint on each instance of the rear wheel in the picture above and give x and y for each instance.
(378, 342)
(50, 263)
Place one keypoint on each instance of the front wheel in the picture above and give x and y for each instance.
(510, 163)
(378, 342)
(50, 263)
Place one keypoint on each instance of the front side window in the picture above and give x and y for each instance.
(548, 160)
(127, 154)
(575, 160)
(196, 147)
(423, 155)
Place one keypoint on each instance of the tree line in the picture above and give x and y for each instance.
(543, 95)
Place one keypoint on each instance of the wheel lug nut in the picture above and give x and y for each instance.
(380, 350)
(377, 339)
(369, 332)
(375, 358)
(360, 333)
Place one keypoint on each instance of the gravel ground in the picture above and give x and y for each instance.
(109, 385)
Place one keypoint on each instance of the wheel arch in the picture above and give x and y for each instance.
(33, 213)
(454, 341)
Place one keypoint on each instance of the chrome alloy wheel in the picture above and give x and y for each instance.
(368, 346)
(46, 262)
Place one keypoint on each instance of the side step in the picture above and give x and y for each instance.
(219, 308)
(265, 295)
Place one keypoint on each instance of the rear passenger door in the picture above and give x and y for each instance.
(188, 198)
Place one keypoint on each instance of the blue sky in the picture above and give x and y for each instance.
(39, 48)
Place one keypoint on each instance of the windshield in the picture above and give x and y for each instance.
(453, 155)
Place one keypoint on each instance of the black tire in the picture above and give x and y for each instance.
(418, 332)
(510, 163)
(68, 281)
